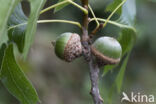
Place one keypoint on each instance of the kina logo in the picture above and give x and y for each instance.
(137, 98)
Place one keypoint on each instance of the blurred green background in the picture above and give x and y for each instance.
(58, 82)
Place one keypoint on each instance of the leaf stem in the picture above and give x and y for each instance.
(114, 12)
(78, 6)
(94, 69)
(63, 2)
(11, 27)
(50, 21)
(91, 10)
(98, 27)
(113, 23)
(61, 21)
(53, 6)
(94, 77)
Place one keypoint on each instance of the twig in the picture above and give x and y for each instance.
(94, 70)
(96, 30)
(85, 37)
(94, 76)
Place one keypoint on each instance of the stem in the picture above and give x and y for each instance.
(50, 21)
(85, 37)
(94, 75)
(94, 70)
(98, 27)
(53, 6)
(63, 2)
(11, 27)
(96, 30)
(94, 16)
(78, 6)
(114, 12)
(60, 21)
(113, 23)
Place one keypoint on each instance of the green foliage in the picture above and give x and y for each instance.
(113, 5)
(17, 34)
(36, 6)
(126, 22)
(107, 68)
(11, 75)
(126, 38)
(6, 9)
(128, 13)
(58, 8)
(120, 76)
(14, 79)
(2, 50)
(23, 35)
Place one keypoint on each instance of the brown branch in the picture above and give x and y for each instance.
(86, 46)
(94, 70)
(85, 16)
(85, 37)
(94, 76)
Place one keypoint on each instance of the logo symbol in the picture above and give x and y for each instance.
(125, 97)
(138, 97)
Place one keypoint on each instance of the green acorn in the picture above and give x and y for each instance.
(68, 46)
(107, 51)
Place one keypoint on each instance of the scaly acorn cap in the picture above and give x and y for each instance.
(107, 51)
(68, 46)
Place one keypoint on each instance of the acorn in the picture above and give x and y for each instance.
(68, 46)
(107, 51)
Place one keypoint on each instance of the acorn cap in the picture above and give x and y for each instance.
(107, 51)
(68, 46)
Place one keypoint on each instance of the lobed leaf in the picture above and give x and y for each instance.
(36, 6)
(17, 34)
(15, 80)
(6, 9)
(4, 37)
(113, 5)
(128, 13)
(120, 76)
(127, 37)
